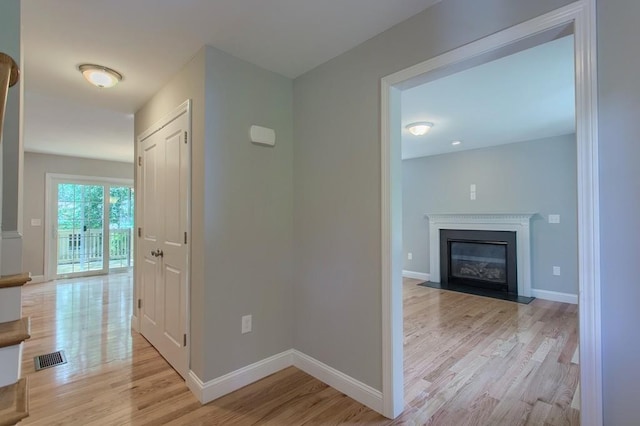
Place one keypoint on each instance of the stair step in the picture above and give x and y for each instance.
(16, 280)
(14, 332)
(14, 402)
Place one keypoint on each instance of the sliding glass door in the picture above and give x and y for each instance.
(80, 226)
(92, 227)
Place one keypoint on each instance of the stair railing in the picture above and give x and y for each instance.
(9, 76)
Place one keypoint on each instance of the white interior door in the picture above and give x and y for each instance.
(163, 255)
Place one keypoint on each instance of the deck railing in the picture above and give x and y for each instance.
(87, 246)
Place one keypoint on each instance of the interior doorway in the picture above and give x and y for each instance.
(576, 18)
(89, 227)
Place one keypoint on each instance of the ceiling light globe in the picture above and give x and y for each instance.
(419, 128)
(100, 76)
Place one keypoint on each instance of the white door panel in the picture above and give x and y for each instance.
(164, 173)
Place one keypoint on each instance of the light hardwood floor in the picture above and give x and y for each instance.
(469, 360)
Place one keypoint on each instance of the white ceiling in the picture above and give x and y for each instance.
(149, 40)
(525, 96)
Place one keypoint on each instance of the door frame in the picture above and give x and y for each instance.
(183, 108)
(580, 14)
(50, 271)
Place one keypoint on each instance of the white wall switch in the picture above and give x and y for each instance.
(554, 218)
(472, 187)
(472, 196)
(410, 256)
(246, 324)
(556, 270)
(36, 222)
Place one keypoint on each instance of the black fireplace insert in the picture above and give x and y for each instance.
(484, 259)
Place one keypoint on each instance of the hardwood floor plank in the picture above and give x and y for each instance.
(469, 360)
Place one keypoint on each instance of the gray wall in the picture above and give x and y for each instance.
(528, 177)
(337, 177)
(35, 168)
(619, 126)
(242, 209)
(11, 148)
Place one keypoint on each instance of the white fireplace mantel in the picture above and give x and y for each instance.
(516, 222)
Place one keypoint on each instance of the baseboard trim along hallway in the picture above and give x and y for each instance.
(216, 388)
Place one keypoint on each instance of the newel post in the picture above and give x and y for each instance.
(9, 75)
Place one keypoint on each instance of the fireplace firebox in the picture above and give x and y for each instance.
(484, 259)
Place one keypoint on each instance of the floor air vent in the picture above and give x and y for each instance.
(49, 360)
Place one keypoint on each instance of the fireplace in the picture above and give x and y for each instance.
(484, 259)
(517, 224)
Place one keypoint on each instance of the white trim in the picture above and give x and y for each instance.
(11, 362)
(582, 14)
(351, 387)
(214, 389)
(555, 296)
(135, 322)
(518, 223)
(184, 107)
(416, 275)
(37, 279)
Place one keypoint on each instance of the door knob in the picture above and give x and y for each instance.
(157, 253)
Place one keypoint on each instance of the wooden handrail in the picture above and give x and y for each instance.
(9, 76)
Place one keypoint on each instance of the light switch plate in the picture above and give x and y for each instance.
(36, 222)
(246, 324)
(554, 218)
(556, 270)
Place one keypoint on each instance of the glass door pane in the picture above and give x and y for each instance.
(120, 227)
(80, 224)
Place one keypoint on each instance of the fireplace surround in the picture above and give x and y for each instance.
(517, 223)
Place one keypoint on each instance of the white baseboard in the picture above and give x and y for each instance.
(135, 324)
(351, 387)
(416, 275)
(555, 296)
(37, 279)
(214, 389)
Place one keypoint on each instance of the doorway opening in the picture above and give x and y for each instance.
(576, 19)
(89, 227)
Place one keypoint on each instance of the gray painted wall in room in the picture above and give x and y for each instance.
(241, 209)
(619, 131)
(528, 177)
(35, 168)
(337, 228)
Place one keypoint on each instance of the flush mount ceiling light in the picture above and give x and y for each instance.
(454, 143)
(419, 128)
(100, 76)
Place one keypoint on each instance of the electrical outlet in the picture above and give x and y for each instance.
(472, 191)
(410, 256)
(246, 324)
(556, 270)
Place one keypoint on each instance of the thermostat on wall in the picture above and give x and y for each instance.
(262, 135)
